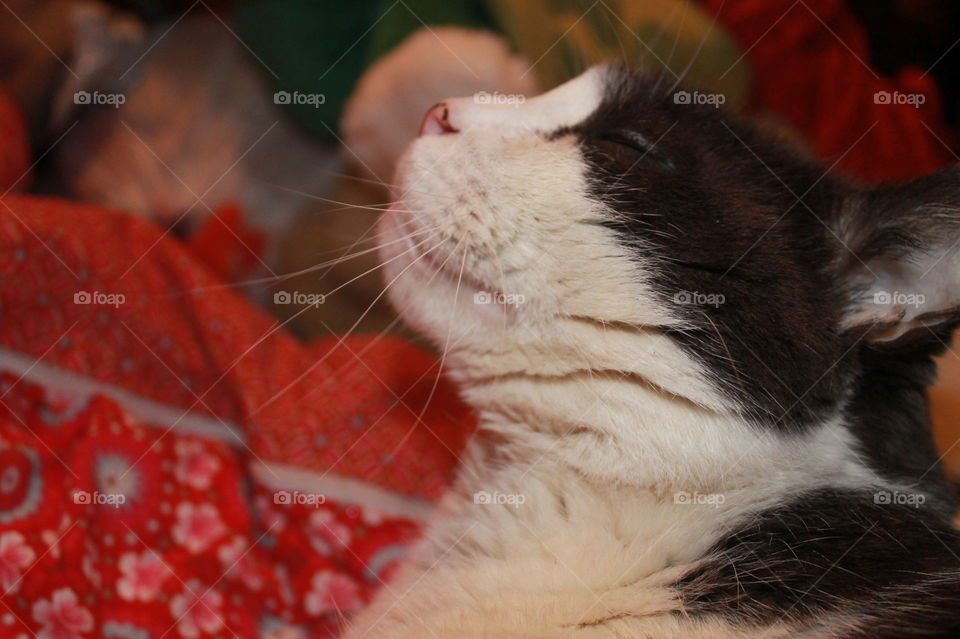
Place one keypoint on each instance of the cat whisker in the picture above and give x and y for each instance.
(446, 346)
(368, 271)
(356, 323)
(357, 178)
(377, 208)
(444, 350)
(273, 279)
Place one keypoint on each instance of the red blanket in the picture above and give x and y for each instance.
(171, 464)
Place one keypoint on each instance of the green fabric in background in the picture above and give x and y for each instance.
(407, 17)
(322, 47)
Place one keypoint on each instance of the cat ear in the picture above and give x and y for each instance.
(900, 270)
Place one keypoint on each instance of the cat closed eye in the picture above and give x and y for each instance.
(635, 147)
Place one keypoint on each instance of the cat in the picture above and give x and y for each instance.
(699, 365)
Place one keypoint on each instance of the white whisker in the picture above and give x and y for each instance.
(307, 270)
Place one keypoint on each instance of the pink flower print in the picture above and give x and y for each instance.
(196, 609)
(371, 516)
(283, 631)
(52, 540)
(331, 592)
(91, 571)
(326, 532)
(195, 466)
(236, 560)
(198, 526)
(142, 576)
(16, 555)
(116, 475)
(272, 519)
(231, 551)
(61, 617)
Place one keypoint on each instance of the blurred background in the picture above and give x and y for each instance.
(263, 135)
(248, 146)
(247, 129)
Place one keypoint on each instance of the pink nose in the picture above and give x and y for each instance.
(437, 121)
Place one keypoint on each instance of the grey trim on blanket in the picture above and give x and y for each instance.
(280, 477)
(146, 410)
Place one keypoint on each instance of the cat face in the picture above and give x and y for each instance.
(615, 223)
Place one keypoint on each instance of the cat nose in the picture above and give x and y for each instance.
(437, 120)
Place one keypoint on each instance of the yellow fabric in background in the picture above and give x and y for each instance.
(561, 38)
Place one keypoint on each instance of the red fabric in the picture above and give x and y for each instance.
(108, 529)
(114, 527)
(182, 338)
(227, 245)
(811, 65)
(106, 296)
(14, 146)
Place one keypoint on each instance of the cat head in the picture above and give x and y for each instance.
(619, 223)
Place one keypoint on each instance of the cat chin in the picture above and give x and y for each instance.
(434, 293)
(486, 331)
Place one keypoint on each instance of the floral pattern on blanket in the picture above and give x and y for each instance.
(114, 528)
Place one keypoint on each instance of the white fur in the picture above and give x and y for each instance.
(587, 410)
(385, 109)
(910, 293)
